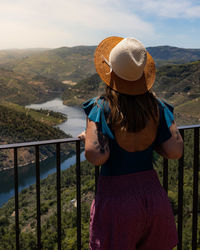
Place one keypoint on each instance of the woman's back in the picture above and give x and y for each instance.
(137, 141)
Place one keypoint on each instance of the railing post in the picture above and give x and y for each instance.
(37, 161)
(58, 194)
(180, 197)
(195, 189)
(78, 194)
(16, 199)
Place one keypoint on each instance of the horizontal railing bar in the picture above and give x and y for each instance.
(67, 140)
(38, 143)
(189, 127)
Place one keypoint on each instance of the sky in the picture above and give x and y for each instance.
(58, 23)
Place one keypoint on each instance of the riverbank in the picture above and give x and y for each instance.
(74, 125)
(76, 121)
(64, 155)
(17, 126)
(27, 175)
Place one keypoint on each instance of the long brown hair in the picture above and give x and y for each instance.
(130, 113)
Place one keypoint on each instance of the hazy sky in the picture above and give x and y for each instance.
(56, 23)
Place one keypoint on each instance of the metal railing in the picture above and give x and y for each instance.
(57, 142)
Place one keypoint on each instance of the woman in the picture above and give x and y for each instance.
(131, 210)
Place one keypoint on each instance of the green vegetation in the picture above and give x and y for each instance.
(27, 206)
(188, 189)
(48, 117)
(18, 124)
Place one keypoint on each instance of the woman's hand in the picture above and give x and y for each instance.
(82, 135)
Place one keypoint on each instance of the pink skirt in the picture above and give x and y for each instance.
(132, 212)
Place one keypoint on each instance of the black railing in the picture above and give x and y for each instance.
(57, 142)
(180, 186)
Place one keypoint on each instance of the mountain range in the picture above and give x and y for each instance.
(38, 75)
(76, 63)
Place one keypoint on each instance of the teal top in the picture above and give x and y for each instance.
(120, 161)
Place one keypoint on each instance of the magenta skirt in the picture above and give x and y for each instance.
(132, 212)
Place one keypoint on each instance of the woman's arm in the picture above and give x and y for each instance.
(172, 148)
(96, 144)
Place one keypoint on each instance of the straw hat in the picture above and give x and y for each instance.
(125, 65)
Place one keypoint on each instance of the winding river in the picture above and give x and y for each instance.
(74, 125)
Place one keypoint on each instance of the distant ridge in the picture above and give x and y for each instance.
(76, 63)
(173, 54)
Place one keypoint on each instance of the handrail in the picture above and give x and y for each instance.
(189, 126)
(38, 143)
(67, 140)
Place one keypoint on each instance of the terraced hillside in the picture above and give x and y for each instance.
(76, 63)
(26, 89)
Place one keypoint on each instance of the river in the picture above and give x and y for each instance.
(74, 125)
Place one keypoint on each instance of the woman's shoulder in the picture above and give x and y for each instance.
(96, 110)
(166, 119)
(166, 112)
(98, 101)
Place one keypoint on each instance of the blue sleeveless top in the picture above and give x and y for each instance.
(120, 161)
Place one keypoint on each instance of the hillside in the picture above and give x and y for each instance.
(36, 75)
(169, 54)
(26, 89)
(76, 63)
(177, 84)
(61, 64)
(18, 124)
(180, 86)
(17, 55)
